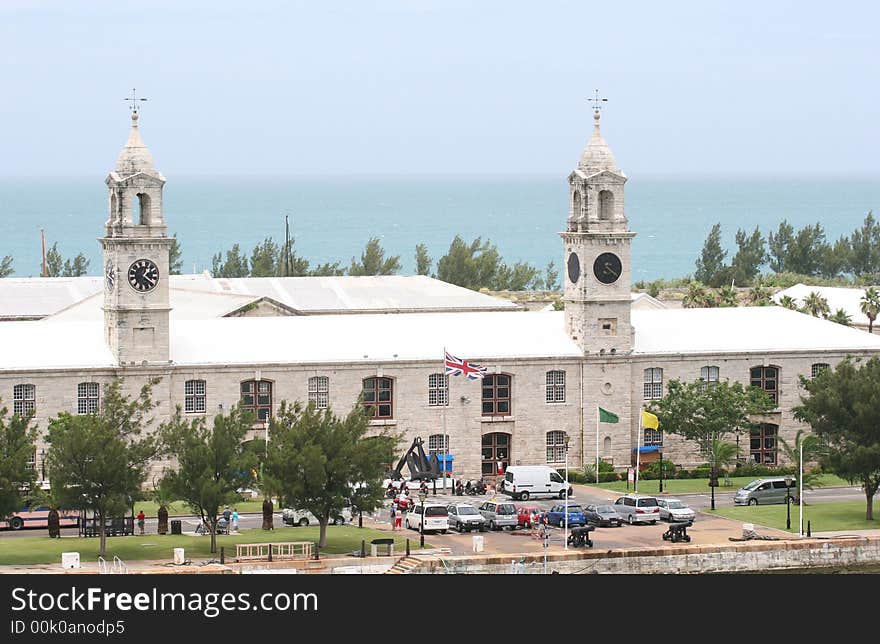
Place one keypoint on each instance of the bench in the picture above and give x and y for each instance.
(678, 532)
(387, 543)
(580, 536)
(273, 551)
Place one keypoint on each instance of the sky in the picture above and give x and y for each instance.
(441, 87)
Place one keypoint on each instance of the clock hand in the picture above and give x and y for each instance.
(610, 270)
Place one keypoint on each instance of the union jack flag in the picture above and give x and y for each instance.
(457, 367)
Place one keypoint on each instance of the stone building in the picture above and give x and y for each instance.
(330, 340)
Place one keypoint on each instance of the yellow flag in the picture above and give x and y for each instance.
(649, 420)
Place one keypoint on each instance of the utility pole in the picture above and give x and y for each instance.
(44, 270)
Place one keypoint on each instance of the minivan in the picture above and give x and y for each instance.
(764, 491)
(436, 517)
(634, 508)
(499, 514)
(526, 481)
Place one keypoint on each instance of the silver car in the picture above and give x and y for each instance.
(675, 510)
(634, 508)
(464, 517)
(499, 514)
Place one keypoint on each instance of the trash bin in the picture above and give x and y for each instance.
(175, 526)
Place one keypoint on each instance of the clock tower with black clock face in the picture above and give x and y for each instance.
(597, 243)
(136, 258)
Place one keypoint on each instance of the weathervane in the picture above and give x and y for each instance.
(133, 106)
(597, 102)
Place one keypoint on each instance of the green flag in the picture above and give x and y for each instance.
(606, 416)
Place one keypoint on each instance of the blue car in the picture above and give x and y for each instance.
(556, 515)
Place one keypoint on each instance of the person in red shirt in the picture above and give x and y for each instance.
(140, 518)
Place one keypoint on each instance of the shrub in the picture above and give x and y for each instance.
(608, 477)
(605, 466)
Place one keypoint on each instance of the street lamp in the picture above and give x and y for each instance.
(661, 470)
(422, 497)
(565, 536)
(787, 502)
(42, 465)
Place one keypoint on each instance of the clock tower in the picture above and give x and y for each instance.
(136, 258)
(597, 243)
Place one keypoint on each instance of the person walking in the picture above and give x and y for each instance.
(141, 518)
(393, 516)
(235, 520)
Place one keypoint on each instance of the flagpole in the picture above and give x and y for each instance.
(597, 444)
(638, 451)
(445, 435)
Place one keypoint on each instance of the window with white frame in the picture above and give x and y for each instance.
(24, 399)
(818, 368)
(319, 391)
(709, 374)
(438, 444)
(87, 395)
(555, 447)
(438, 390)
(194, 397)
(654, 437)
(653, 383)
(555, 387)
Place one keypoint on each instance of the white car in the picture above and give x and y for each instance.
(436, 517)
(675, 510)
(305, 518)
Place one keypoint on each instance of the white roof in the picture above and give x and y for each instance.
(748, 329)
(185, 305)
(36, 345)
(36, 297)
(848, 299)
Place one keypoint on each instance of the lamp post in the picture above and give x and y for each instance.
(42, 465)
(661, 470)
(422, 497)
(788, 481)
(565, 536)
(801, 489)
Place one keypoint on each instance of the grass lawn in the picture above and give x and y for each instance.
(823, 517)
(179, 509)
(694, 486)
(43, 550)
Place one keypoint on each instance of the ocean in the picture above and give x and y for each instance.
(331, 218)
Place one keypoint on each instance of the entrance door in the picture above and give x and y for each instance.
(496, 455)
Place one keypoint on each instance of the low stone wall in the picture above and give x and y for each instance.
(751, 556)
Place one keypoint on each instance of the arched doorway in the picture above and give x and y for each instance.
(606, 205)
(496, 455)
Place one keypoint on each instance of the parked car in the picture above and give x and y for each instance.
(602, 515)
(528, 515)
(556, 515)
(499, 514)
(436, 517)
(634, 508)
(764, 491)
(305, 518)
(675, 510)
(526, 481)
(464, 517)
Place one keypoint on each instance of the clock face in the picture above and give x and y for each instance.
(109, 276)
(607, 268)
(143, 275)
(574, 268)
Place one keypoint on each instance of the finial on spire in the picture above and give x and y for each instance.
(133, 105)
(597, 105)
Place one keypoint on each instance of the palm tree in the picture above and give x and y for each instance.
(721, 454)
(813, 448)
(759, 295)
(816, 305)
(695, 296)
(841, 317)
(727, 296)
(870, 306)
(786, 301)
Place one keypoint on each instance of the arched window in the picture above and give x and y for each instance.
(606, 204)
(576, 205)
(24, 399)
(654, 437)
(194, 397)
(762, 444)
(87, 394)
(496, 394)
(438, 444)
(438, 390)
(378, 394)
(256, 397)
(555, 391)
(767, 379)
(144, 209)
(112, 206)
(653, 383)
(555, 447)
(818, 368)
(319, 391)
(606, 446)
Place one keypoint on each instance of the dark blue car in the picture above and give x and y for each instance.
(556, 515)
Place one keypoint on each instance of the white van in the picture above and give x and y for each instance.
(526, 481)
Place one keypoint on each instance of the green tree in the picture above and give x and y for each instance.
(6, 266)
(816, 305)
(17, 438)
(551, 277)
(327, 269)
(175, 257)
(462, 264)
(212, 463)
(806, 252)
(696, 296)
(373, 261)
(236, 264)
(423, 260)
(864, 257)
(812, 449)
(727, 296)
(265, 259)
(759, 295)
(837, 259)
(778, 247)
(788, 302)
(54, 261)
(518, 277)
(710, 263)
(321, 463)
(841, 406)
(750, 256)
(99, 461)
(841, 317)
(57, 266)
(870, 306)
(79, 266)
